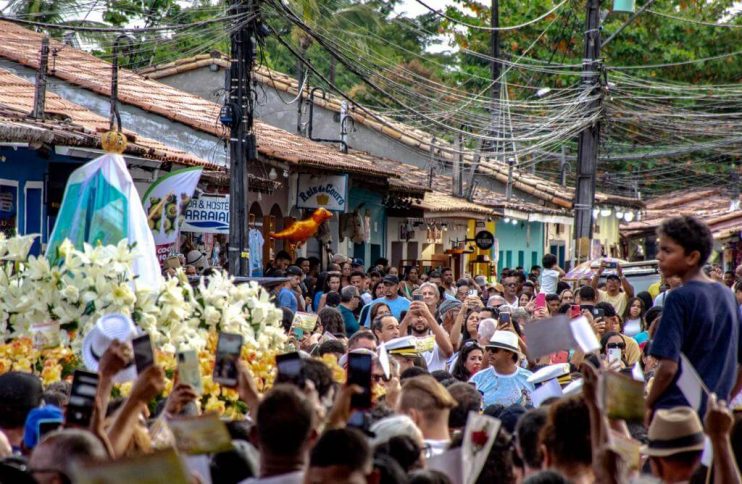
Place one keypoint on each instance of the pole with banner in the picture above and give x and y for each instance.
(165, 203)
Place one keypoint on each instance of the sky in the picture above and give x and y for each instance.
(412, 8)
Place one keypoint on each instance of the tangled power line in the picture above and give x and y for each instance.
(668, 134)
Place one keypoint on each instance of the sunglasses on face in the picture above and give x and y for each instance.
(616, 345)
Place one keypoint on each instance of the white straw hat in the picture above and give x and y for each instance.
(108, 328)
(506, 340)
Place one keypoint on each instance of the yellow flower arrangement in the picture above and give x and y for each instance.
(94, 281)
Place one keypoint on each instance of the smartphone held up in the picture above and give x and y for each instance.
(228, 349)
(189, 370)
(82, 398)
(359, 373)
(144, 355)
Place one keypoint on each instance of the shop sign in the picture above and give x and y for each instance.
(165, 203)
(207, 215)
(484, 240)
(328, 191)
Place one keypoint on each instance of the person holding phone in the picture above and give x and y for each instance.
(613, 350)
(425, 327)
(614, 283)
(467, 322)
(607, 321)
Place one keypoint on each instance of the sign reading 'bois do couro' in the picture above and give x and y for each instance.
(207, 215)
(328, 191)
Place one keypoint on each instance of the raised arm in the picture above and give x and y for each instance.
(718, 423)
(627, 287)
(663, 376)
(596, 277)
(455, 334)
(442, 339)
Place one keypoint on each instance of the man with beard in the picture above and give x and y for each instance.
(396, 303)
(433, 342)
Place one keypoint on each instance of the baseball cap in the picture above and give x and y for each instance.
(38, 416)
(294, 271)
(391, 279)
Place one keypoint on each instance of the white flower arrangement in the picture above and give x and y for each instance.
(99, 280)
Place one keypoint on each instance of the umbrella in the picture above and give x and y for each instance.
(586, 270)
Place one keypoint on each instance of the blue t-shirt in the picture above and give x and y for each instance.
(316, 300)
(397, 305)
(504, 389)
(701, 321)
(351, 323)
(287, 299)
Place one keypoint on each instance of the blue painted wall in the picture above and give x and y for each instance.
(520, 245)
(24, 165)
(373, 203)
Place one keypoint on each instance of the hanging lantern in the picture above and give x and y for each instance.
(629, 215)
(596, 212)
(626, 6)
(113, 142)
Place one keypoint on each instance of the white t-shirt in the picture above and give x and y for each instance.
(549, 280)
(434, 359)
(436, 447)
(660, 299)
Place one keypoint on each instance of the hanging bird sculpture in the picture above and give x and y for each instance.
(300, 231)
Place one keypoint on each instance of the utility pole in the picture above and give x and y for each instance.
(491, 146)
(456, 170)
(495, 47)
(39, 96)
(237, 114)
(587, 148)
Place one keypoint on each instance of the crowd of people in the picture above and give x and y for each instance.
(442, 352)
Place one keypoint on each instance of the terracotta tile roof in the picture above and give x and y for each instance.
(710, 205)
(485, 198)
(74, 123)
(185, 64)
(541, 188)
(444, 204)
(85, 70)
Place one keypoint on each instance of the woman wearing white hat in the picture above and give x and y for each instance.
(504, 382)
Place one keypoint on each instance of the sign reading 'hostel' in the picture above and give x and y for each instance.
(207, 214)
(328, 191)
